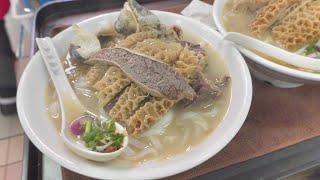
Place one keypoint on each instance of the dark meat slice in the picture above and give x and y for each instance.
(74, 55)
(193, 47)
(113, 101)
(202, 85)
(154, 77)
(199, 52)
(204, 88)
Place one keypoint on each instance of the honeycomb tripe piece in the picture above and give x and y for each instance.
(167, 52)
(128, 102)
(188, 62)
(95, 73)
(300, 29)
(269, 15)
(113, 81)
(252, 5)
(150, 113)
(293, 9)
(133, 39)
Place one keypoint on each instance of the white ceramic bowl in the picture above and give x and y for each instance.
(262, 68)
(34, 119)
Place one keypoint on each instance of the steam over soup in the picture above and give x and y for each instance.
(168, 87)
(293, 25)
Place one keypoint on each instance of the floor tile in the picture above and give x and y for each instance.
(14, 171)
(3, 151)
(5, 126)
(15, 149)
(15, 126)
(2, 172)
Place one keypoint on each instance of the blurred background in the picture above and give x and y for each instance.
(15, 37)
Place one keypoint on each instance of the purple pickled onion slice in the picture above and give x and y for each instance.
(312, 55)
(77, 127)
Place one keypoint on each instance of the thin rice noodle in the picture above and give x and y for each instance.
(197, 131)
(155, 142)
(54, 109)
(128, 151)
(159, 127)
(103, 114)
(136, 143)
(189, 115)
(142, 154)
(185, 136)
(203, 124)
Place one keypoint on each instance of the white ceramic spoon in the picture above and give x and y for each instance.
(265, 48)
(70, 104)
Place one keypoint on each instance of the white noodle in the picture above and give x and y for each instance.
(159, 127)
(54, 109)
(202, 123)
(212, 113)
(197, 131)
(145, 152)
(142, 154)
(189, 116)
(85, 92)
(81, 82)
(185, 136)
(138, 144)
(103, 114)
(129, 152)
(155, 142)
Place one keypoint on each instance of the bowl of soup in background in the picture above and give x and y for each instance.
(264, 67)
(36, 123)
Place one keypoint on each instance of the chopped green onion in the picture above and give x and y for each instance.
(111, 126)
(310, 49)
(98, 134)
(117, 139)
(90, 136)
(88, 126)
(92, 145)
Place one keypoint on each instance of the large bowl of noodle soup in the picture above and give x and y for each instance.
(34, 97)
(262, 66)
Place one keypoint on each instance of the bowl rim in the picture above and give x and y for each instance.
(218, 7)
(244, 109)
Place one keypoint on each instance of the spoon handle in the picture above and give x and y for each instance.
(265, 48)
(55, 69)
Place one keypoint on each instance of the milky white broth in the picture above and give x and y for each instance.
(182, 133)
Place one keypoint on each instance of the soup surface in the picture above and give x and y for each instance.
(183, 128)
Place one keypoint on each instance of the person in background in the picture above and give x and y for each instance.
(7, 58)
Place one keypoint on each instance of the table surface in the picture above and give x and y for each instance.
(273, 165)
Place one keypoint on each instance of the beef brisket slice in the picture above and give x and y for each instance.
(154, 77)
